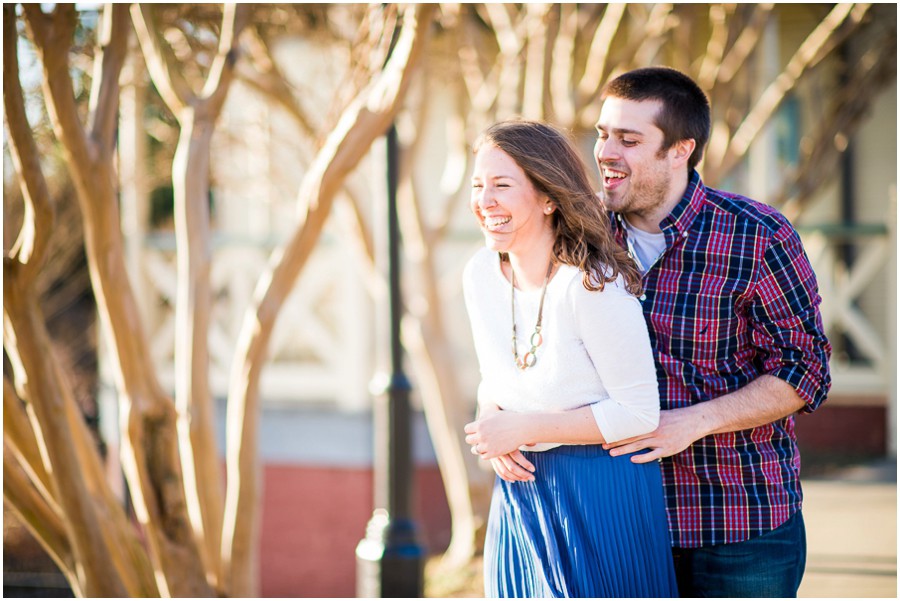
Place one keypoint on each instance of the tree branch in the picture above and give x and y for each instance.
(365, 119)
(598, 55)
(715, 46)
(104, 104)
(19, 434)
(30, 248)
(27, 341)
(874, 69)
(562, 66)
(269, 80)
(234, 19)
(52, 36)
(41, 519)
(814, 48)
(660, 21)
(540, 31)
(174, 90)
(744, 45)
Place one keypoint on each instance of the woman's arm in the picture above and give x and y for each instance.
(614, 333)
(500, 433)
(511, 466)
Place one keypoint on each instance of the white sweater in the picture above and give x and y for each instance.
(596, 350)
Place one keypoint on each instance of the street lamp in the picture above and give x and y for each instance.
(390, 560)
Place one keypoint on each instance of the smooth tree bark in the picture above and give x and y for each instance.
(150, 455)
(366, 118)
(54, 478)
(197, 113)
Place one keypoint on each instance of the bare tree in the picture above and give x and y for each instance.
(54, 480)
(197, 114)
(78, 495)
(497, 61)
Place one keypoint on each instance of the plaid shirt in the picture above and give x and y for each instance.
(733, 296)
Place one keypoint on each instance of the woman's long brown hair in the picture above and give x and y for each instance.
(583, 235)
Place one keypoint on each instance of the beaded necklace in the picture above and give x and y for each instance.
(530, 358)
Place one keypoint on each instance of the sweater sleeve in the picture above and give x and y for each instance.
(612, 328)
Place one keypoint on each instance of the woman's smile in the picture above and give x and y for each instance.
(510, 210)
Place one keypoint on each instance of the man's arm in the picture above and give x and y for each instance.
(791, 347)
(762, 401)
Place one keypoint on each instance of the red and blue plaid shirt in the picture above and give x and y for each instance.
(732, 297)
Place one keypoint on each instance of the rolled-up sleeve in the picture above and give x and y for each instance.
(787, 325)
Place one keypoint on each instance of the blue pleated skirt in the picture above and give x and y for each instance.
(590, 525)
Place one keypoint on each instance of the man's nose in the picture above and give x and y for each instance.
(606, 150)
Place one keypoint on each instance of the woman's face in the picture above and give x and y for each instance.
(511, 212)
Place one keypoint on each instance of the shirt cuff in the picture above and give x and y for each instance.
(808, 386)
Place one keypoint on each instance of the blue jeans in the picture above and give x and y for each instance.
(770, 565)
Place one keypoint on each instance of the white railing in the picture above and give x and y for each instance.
(853, 265)
(320, 347)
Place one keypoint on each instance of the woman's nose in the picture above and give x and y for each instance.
(485, 198)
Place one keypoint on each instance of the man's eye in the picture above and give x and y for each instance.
(629, 142)
(477, 185)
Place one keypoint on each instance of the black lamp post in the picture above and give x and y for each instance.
(390, 560)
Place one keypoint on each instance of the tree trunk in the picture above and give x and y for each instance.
(149, 448)
(466, 486)
(365, 119)
(197, 115)
(27, 341)
(196, 413)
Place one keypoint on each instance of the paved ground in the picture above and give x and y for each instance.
(851, 529)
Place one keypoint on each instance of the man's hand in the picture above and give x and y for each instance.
(763, 401)
(677, 430)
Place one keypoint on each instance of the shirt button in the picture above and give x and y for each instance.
(643, 297)
(684, 234)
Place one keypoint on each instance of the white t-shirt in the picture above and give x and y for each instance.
(645, 247)
(596, 350)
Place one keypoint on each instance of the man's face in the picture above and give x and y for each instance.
(635, 172)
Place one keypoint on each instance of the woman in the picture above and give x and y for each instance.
(567, 519)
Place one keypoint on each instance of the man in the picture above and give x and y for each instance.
(731, 303)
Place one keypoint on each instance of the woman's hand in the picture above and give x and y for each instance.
(499, 433)
(494, 438)
(513, 467)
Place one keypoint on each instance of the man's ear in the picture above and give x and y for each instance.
(682, 150)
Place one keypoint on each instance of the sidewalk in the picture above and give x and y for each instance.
(851, 530)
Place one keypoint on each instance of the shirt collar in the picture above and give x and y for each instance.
(677, 223)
